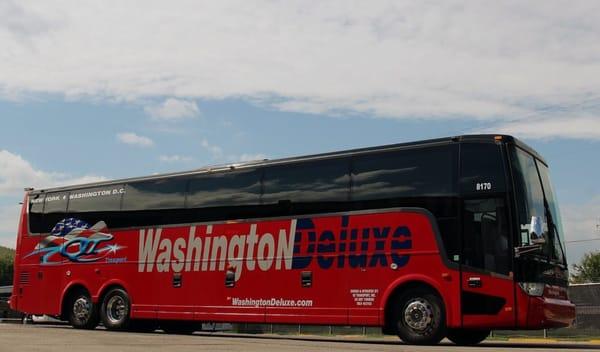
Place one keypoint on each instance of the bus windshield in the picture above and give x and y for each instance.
(535, 198)
(556, 230)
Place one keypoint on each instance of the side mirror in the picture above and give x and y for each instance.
(536, 232)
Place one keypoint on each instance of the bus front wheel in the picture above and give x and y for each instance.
(115, 309)
(420, 317)
(83, 313)
(464, 337)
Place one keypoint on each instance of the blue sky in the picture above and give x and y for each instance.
(91, 92)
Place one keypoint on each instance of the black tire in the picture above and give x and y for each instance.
(466, 337)
(180, 327)
(419, 317)
(115, 309)
(82, 312)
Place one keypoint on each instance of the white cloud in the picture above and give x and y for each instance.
(580, 223)
(214, 150)
(175, 158)
(173, 110)
(9, 222)
(17, 173)
(496, 61)
(217, 153)
(542, 128)
(249, 157)
(134, 139)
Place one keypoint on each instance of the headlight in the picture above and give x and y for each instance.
(533, 288)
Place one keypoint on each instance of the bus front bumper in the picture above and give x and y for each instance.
(549, 313)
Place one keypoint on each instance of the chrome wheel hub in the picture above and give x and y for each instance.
(116, 309)
(81, 308)
(418, 314)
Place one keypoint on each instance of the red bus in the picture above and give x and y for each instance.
(449, 237)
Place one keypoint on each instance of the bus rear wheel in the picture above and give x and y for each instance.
(83, 313)
(466, 337)
(115, 309)
(420, 317)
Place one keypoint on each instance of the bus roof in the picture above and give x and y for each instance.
(293, 159)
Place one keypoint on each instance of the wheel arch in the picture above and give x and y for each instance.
(109, 285)
(401, 285)
(68, 291)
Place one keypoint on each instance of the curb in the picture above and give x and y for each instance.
(552, 340)
(532, 340)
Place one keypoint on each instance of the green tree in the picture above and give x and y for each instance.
(7, 257)
(588, 270)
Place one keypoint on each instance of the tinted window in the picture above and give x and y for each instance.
(36, 207)
(36, 203)
(106, 198)
(530, 203)
(55, 208)
(233, 188)
(557, 233)
(321, 181)
(155, 194)
(406, 173)
(528, 189)
(485, 239)
(482, 168)
(56, 202)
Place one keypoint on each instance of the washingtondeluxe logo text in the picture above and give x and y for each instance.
(296, 244)
(212, 252)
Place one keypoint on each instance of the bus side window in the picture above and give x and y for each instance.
(55, 209)
(485, 235)
(427, 172)
(36, 210)
(96, 204)
(224, 189)
(152, 202)
(94, 199)
(313, 182)
(155, 194)
(482, 169)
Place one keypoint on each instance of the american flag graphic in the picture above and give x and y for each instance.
(76, 241)
(70, 228)
(67, 225)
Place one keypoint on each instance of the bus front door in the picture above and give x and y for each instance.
(487, 285)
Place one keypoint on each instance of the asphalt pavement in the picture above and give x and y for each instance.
(55, 338)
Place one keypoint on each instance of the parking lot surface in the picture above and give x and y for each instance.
(15, 338)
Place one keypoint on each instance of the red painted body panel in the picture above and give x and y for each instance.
(22, 231)
(357, 260)
(550, 313)
(341, 292)
(552, 310)
(496, 286)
